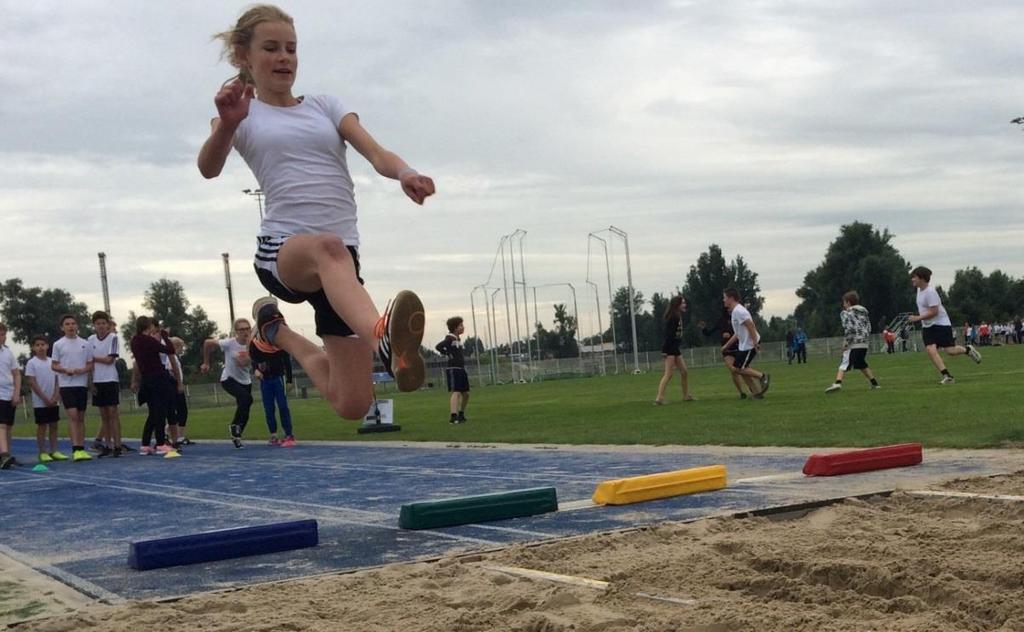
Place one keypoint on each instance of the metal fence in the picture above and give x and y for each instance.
(509, 371)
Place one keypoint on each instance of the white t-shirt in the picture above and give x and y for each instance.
(8, 364)
(41, 370)
(231, 348)
(740, 315)
(109, 346)
(298, 158)
(928, 298)
(72, 353)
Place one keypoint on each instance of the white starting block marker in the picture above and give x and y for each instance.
(380, 417)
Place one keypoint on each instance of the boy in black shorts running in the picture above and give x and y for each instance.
(936, 328)
(856, 330)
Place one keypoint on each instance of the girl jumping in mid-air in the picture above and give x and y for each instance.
(307, 249)
(671, 351)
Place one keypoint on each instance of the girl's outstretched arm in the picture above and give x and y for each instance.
(387, 163)
(232, 103)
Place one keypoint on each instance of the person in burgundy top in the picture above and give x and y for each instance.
(155, 386)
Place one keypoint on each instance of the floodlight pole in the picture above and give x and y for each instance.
(629, 282)
(258, 194)
(600, 326)
(476, 336)
(611, 297)
(103, 282)
(227, 284)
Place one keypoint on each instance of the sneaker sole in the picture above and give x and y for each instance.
(407, 320)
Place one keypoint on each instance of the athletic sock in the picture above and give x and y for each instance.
(946, 372)
(78, 447)
(874, 382)
(454, 417)
(839, 382)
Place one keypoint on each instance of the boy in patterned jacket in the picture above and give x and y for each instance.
(856, 330)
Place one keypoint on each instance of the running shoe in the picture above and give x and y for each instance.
(80, 455)
(172, 454)
(237, 443)
(117, 452)
(876, 387)
(400, 332)
(947, 379)
(266, 315)
(58, 456)
(104, 452)
(126, 448)
(7, 462)
(834, 388)
(97, 446)
(146, 450)
(164, 448)
(971, 351)
(765, 381)
(289, 442)
(45, 458)
(187, 441)
(462, 418)
(274, 440)
(743, 395)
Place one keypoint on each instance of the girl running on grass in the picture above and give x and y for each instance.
(671, 352)
(307, 249)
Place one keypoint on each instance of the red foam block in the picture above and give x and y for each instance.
(863, 460)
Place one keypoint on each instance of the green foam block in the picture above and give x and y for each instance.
(39, 467)
(483, 508)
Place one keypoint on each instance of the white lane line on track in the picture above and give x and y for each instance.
(930, 493)
(261, 506)
(785, 476)
(80, 584)
(575, 505)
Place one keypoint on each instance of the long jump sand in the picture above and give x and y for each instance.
(896, 563)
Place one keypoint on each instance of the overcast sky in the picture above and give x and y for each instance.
(759, 126)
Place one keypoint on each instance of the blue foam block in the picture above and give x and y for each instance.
(222, 544)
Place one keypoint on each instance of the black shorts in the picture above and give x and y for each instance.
(854, 359)
(458, 379)
(46, 414)
(743, 359)
(671, 349)
(328, 323)
(939, 335)
(76, 397)
(107, 394)
(178, 413)
(7, 412)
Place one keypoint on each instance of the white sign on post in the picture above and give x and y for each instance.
(382, 408)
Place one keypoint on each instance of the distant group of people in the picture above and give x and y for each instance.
(1008, 333)
(741, 340)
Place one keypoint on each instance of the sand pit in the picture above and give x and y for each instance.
(896, 563)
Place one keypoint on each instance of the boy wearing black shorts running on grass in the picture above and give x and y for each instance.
(856, 331)
(744, 333)
(455, 374)
(936, 328)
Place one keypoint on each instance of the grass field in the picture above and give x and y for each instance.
(985, 408)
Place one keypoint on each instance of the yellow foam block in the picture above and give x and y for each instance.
(637, 489)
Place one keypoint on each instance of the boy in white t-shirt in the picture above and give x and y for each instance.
(745, 332)
(936, 328)
(72, 362)
(106, 385)
(10, 397)
(42, 381)
(236, 378)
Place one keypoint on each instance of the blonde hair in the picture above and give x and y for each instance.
(235, 324)
(240, 36)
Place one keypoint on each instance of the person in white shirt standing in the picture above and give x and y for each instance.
(10, 397)
(936, 328)
(42, 381)
(236, 378)
(745, 332)
(106, 385)
(72, 362)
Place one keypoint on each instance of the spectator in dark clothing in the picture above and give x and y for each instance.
(274, 370)
(455, 373)
(155, 385)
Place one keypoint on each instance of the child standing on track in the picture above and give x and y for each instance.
(671, 351)
(856, 331)
(455, 373)
(236, 377)
(10, 397)
(106, 385)
(307, 249)
(72, 362)
(42, 381)
(178, 415)
(274, 370)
